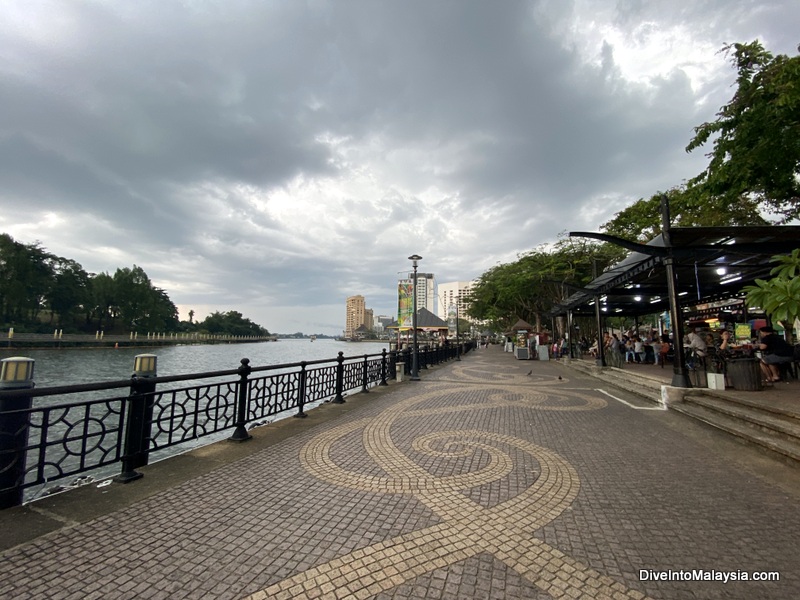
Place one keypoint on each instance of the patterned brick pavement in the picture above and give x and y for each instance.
(478, 482)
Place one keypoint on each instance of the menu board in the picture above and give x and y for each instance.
(742, 331)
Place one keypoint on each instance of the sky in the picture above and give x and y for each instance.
(276, 157)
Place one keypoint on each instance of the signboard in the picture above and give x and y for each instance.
(743, 331)
(452, 320)
(405, 302)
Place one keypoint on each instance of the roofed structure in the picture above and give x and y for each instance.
(710, 263)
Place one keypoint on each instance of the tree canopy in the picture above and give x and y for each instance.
(756, 136)
(530, 286)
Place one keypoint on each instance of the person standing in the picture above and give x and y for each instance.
(638, 349)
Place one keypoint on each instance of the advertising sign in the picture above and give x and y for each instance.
(405, 303)
(742, 331)
(451, 319)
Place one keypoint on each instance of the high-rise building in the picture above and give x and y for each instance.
(369, 318)
(454, 292)
(355, 315)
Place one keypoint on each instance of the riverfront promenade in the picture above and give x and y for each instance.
(480, 481)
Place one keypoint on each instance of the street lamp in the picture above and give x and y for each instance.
(414, 258)
(458, 342)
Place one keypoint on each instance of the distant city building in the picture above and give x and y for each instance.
(454, 292)
(381, 322)
(369, 320)
(355, 310)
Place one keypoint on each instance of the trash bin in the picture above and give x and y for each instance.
(744, 374)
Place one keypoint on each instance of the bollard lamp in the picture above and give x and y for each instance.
(16, 372)
(144, 365)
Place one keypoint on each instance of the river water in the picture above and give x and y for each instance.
(67, 366)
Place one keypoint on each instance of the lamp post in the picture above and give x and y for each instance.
(415, 258)
(458, 334)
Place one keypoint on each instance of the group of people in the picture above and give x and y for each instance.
(632, 348)
(654, 349)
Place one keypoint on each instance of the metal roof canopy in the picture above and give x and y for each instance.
(700, 255)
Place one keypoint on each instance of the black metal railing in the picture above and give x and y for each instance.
(42, 444)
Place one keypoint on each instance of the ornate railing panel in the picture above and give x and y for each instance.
(273, 394)
(72, 438)
(44, 444)
(320, 383)
(189, 413)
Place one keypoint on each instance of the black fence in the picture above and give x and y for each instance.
(41, 445)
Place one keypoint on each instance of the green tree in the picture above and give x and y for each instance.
(69, 290)
(536, 281)
(779, 297)
(133, 289)
(689, 207)
(231, 323)
(103, 300)
(756, 147)
(27, 275)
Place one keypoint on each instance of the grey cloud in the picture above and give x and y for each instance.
(482, 131)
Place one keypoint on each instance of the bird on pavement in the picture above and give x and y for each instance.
(531, 371)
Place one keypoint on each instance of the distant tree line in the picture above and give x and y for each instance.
(40, 291)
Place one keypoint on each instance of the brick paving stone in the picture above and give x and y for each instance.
(477, 482)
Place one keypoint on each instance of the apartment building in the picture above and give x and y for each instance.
(453, 292)
(355, 315)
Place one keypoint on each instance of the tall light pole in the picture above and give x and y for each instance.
(415, 258)
(458, 342)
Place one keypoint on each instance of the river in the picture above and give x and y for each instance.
(67, 366)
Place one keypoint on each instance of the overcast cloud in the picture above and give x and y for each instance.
(277, 157)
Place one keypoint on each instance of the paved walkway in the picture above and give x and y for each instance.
(481, 481)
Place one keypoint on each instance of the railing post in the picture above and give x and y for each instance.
(134, 431)
(339, 399)
(393, 364)
(365, 377)
(243, 400)
(139, 418)
(144, 367)
(301, 392)
(16, 373)
(383, 368)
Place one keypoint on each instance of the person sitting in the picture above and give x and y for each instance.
(630, 355)
(665, 348)
(774, 351)
(723, 344)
